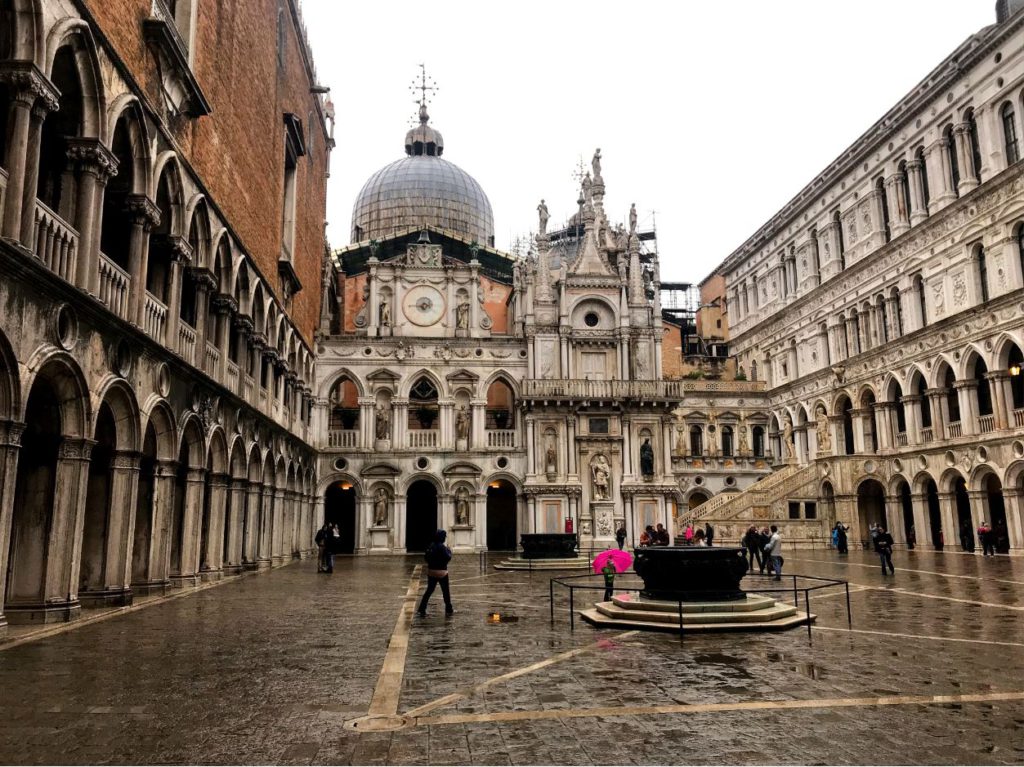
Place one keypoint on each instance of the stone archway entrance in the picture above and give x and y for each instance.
(931, 493)
(501, 516)
(965, 525)
(697, 499)
(420, 515)
(907, 507)
(870, 507)
(340, 509)
(997, 513)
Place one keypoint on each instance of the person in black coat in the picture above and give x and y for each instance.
(842, 544)
(620, 536)
(438, 555)
(883, 545)
(752, 543)
(709, 533)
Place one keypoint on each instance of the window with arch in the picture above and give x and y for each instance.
(922, 304)
(919, 156)
(979, 257)
(975, 148)
(344, 404)
(904, 181)
(757, 440)
(952, 398)
(880, 191)
(1009, 118)
(727, 444)
(423, 407)
(696, 440)
(837, 222)
(500, 406)
(949, 145)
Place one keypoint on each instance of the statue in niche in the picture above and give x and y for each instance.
(632, 218)
(462, 506)
(385, 312)
(550, 457)
(787, 440)
(542, 214)
(600, 476)
(383, 422)
(462, 315)
(380, 508)
(462, 424)
(824, 438)
(743, 448)
(647, 458)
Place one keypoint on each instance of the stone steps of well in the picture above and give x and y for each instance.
(515, 563)
(751, 603)
(600, 620)
(765, 615)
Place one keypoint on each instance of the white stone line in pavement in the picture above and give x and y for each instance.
(476, 577)
(388, 689)
(910, 570)
(908, 592)
(469, 691)
(918, 636)
(704, 708)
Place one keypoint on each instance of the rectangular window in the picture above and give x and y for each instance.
(810, 510)
(648, 513)
(794, 510)
(594, 366)
(1010, 130)
(598, 425)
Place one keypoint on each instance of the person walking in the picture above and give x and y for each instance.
(752, 543)
(620, 537)
(842, 542)
(774, 551)
(911, 538)
(835, 536)
(985, 537)
(883, 545)
(966, 536)
(762, 541)
(688, 533)
(321, 547)
(608, 571)
(438, 555)
(709, 533)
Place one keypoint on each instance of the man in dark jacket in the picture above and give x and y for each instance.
(709, 533)
(883, 545)
(438, 555)
(752, 543)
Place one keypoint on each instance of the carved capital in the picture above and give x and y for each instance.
(224, 304)
(29, 85)
(92, 157)
(142, 210)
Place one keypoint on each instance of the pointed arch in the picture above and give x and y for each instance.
(158, 415)
(118, 395)
(218, 452)
(74, 33)
(69, 386)
(192, 442)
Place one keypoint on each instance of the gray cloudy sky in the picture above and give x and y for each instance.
(710, 116)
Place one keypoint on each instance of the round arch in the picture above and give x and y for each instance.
(62, 372)
(118, 395)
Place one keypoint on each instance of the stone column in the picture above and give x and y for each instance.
(852, 341)
(214, 543)
(478, 426)
(884, 417)
(205, 286)
(894, 519)
(979, 511)
(225, 307)
(144, 216)
(251, 524)
(1013, 500)
(918, 208)
(32, 95)
(28, 194)
(898, 219)
(570, 447)
(922, 522)
(398, 525)
(277, 537)
(968, 173)
(400, 423)
(10, 446)
(941, 175)
(999, 387)
(124, 488)
(195, 487)
(860, 417)
(446, 424)
(967, 394)
(950, 523)
(235, 521)
(264, 556)
(96, 165)
(531, 446)
(940, 412)
(837, 428)
(64, 540)
(912, 415)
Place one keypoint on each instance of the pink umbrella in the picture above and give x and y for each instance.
(621, 559)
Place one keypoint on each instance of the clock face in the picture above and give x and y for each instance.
(423, 305)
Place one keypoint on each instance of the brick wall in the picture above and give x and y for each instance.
(238, 150)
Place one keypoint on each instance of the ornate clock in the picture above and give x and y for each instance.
(423, 305)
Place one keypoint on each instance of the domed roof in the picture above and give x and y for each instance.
(422, 189)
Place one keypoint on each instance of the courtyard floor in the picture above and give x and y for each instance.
(284, 667)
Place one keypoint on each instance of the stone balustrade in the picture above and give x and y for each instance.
(574, 388)
(1018, 417)
(499, 438)
(232, 382)
(115, 284)
(986, 423)
(187, 342)
(423, 437)
(212, 359)
(338, 438)
(154, 320)
(56, 242)
(954, 430)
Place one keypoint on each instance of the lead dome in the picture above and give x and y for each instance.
(422, 189)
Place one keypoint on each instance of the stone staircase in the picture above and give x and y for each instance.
(755, 613)
(763, 503)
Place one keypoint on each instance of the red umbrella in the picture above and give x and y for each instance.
(621, 559)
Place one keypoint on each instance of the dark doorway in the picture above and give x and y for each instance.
(420, 515)
(907, 505)
(340, 509)
(501, 516)
(963, 514)
(934, 514)
(92, 572)
(997, 513)
(870, 507)
(144, 508)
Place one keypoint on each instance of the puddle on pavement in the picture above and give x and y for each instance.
(495, 618)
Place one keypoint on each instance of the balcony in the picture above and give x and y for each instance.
(212, 359)
(249, 389)
(954, 430)
(3, 187)
(154, 320)
(232, 382)
(56, 243)
(187, 342)
(501, 438)
(1018, 417)
(901, 439)
(115, 284)
(343, 438)
(419, 438)
(986, 423)
(926, 434)
(584, 389)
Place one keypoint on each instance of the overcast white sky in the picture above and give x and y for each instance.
(710, 116)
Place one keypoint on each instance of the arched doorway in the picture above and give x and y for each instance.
(870, 507)
(965, 525)
(420, 515)
(696, 499)
(907, 507)
(92, 572)
(846, 408)
(997, 513)
(501, 516)
(340, 510)
(931, 494)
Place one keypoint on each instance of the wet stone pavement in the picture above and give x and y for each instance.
(274, 668)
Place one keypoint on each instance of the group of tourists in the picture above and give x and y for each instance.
(765, 547)
(992, 538)
(655, 536)
(328, 539)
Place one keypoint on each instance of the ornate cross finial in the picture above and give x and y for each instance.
(579, 171)
(424, 85)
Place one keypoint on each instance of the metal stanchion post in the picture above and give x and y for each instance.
(572, 608)
(551, 598)
(807, 609)
(849, 614)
